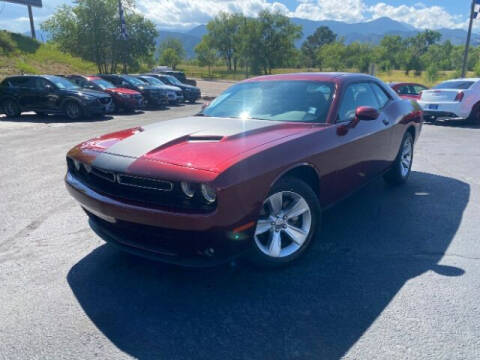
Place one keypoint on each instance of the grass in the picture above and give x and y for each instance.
(32, 57)
(221, 73)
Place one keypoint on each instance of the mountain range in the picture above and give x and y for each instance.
(370, 32)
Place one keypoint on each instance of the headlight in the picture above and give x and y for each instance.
(208, 193)
(187, 189)
(77, 164)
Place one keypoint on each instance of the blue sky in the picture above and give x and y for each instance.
(185, 14)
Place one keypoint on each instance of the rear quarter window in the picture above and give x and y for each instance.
(462, 85)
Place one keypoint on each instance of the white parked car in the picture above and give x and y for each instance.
(454, 99)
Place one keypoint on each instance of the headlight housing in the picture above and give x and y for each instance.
(209, 193)
(188, 189)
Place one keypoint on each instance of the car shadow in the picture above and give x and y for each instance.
(52, 119)
(369, 247)
(455, 123)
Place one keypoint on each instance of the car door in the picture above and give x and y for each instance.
(360, 145)
(24, 86)
(45, 93)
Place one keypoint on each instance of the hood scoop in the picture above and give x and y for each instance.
(204, 138)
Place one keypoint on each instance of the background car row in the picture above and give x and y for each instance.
(77, 96)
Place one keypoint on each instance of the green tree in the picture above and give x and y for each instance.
(170, 58)
(90, 29)
(224, 37)
(171, 52)
(206, 54)
(322, 36)
(333, 56)
(277, 39)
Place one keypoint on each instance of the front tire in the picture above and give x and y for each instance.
(11, 108)
(73, 110)
(402, 166)
(287, 223)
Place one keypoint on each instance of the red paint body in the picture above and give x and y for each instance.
(343, 156)
(408, 91)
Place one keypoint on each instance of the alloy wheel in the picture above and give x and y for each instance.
(406, 156)
(284, 225)
(72, 110)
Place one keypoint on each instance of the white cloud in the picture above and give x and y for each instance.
(188, 13)
(342, 10)
(419, 15)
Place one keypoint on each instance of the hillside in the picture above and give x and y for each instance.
(370, 32)
(19, 53)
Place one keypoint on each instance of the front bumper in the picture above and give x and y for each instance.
(191, 239)
(129, 102)
(191, 249)
(156, 100)
(191, 95)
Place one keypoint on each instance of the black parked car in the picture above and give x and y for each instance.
(48, 94)
(152, 95)
(190, 93)
(180, 75)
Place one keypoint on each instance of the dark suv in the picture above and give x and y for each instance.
(48, 94)
(152, 95)
(190, 93)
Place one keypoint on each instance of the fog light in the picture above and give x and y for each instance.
(187, 189)
(208, 193)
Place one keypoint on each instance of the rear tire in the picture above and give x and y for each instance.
(474, 117)
(73, 110)
(11, 108)
(402, 166)
(287, 223)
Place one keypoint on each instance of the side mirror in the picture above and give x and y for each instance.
(205, 104)
(366, 113)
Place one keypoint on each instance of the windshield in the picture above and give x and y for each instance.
(173, 80)
(62, 83)
(152, 81)
(133, 80)
(454, 85)
(302, 101)
(104, 84)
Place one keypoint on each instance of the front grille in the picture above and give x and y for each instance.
(104, 100)
(138, 190)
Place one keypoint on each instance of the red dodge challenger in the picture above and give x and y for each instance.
(250, 174)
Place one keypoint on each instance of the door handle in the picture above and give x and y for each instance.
(385, 122)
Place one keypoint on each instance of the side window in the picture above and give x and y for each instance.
(356, 95)
(41, 84)
(403, 90)
(21, 82)
(382, 97)
(418, 89)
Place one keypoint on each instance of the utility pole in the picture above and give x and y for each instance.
(469, 35)
(32, 26)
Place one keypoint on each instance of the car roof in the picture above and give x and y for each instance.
(314, 76)
(463, 79)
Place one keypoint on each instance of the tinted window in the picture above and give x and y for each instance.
(404, 90)
(41, 84)
(62, 83)
(382, 97)
(418, 89)
(22, 82)
(356, 95)
(454, 85)
(103, 84)
(303, 101)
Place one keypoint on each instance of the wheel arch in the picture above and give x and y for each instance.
(305, 172)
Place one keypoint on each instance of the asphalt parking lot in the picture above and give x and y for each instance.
(393, 274)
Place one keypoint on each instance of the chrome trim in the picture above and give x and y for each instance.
(120, 176)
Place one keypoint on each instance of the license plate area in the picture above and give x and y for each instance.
(433, 106)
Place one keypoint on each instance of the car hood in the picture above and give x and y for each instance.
(88, 92)
(122, 91)
(204, 143)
